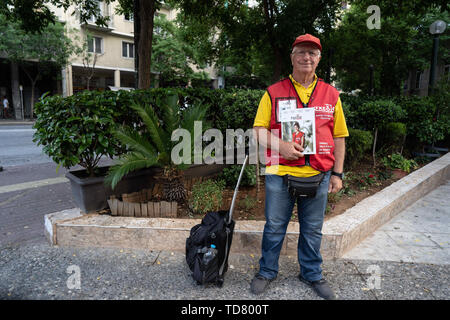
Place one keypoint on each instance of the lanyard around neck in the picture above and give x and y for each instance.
(305, 105)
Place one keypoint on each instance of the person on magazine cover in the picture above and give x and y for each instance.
(297, 135)
(283, 158)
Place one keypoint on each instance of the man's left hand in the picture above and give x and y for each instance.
(335, 184)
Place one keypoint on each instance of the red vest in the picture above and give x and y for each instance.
(297, 137)
(323, 99)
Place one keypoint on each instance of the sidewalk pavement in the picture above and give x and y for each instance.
(399, 269)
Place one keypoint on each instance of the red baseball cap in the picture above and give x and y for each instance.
(307, 38)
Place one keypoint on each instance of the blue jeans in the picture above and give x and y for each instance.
(278, 210)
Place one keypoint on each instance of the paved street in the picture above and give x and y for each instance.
(30, 187)
(17, 147)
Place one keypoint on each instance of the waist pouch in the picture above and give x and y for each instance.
(303, 187)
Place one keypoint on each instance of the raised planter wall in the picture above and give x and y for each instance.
(340, 234)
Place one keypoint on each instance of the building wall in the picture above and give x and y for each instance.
(418, 81)
(110, 64)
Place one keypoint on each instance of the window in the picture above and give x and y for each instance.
(101, 10)
(95, 44)
(129, 17)
(127, 50)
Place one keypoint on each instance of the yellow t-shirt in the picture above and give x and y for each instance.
(264, 114)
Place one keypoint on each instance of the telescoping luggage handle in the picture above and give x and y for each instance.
(230, 214)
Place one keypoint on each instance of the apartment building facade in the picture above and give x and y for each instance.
(111, 50)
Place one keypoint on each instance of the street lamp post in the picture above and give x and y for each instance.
(436, 28)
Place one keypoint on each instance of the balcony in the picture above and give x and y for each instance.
(90, 24)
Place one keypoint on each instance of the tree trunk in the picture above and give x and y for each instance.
(374, 146)
(33, 86)
(16, 102)
(270, 9)
(278, 63)
(137, 28)
(90, 71)
(146, 16)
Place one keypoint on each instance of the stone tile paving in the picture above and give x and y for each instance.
(420, 233)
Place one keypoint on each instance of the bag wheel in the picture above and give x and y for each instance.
(219, 283)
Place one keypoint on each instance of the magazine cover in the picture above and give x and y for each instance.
(298, 125)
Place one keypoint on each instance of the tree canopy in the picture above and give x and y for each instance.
(254, 39)
(173, 59)
(402, 43)
(35, 15)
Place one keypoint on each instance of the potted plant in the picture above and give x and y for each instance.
(399, 165)
(152, 147)
(78, 130)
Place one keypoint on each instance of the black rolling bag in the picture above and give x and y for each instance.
(209, 243)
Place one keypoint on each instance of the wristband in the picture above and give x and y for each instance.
(340, 175)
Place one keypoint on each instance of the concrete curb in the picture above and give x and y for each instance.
(340, 234)
(16, 122)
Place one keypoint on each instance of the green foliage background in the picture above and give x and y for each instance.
(77, 129)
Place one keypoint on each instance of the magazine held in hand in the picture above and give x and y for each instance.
(298, 125)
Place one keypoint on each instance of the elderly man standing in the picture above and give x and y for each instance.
(302, 89)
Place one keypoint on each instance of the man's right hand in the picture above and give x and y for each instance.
(291, 150)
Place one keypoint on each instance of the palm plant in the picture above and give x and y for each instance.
(153, 147)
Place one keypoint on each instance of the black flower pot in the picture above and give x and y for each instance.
(91, 193)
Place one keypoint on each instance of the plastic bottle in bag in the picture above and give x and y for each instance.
(210, 254)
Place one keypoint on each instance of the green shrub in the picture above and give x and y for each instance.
(397, 161)
(206, 196)
(77, 129)
(236, 109)
(380, 112)
(419, 117)
(248, 202)
(428, 118)
(357, 145)
(231, 175)
(392, 136)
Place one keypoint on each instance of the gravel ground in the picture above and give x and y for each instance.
(38, 271)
